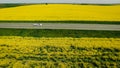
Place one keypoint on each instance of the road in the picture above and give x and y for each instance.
(62, 26)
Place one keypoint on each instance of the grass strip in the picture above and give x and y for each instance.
(59, 33)
(67, 21)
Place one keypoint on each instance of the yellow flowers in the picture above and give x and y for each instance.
(80, 42)
(66, 52)
(61, 12)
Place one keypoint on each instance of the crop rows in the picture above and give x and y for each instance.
(52, 56)
(105, 53)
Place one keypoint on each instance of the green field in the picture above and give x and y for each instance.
(11, 5)
(59, 33)
(23, 4)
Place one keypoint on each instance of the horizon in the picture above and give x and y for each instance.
(64, 1)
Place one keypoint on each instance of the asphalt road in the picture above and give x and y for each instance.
(62, 26)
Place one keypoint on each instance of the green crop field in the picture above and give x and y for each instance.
(11, 5)
(59, 33)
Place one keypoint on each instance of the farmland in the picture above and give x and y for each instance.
(59, 33)
(10, 5)
(31, 48)
(60, 52)
(59, 48)
(61, 12)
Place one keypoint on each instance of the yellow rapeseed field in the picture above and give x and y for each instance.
(80, 42)
(41, 12)
(60, 52)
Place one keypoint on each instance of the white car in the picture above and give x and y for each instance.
(37, 24)
(40, 24)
